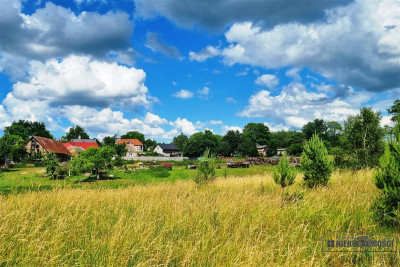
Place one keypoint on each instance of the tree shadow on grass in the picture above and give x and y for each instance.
(8, 170)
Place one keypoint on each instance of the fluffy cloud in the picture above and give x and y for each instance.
(204, 93)
(153, 119)
(77, 80)
(157, 45)
(215, 15)
(184, 126)
(204, 54)
(58, 90)
(108, 122)
(269, 80)
(358, 45)
(55, 31)
(183, 94)
(295, 106)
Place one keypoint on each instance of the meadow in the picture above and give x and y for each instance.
(239, 220)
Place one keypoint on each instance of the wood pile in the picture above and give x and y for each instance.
(271, 161)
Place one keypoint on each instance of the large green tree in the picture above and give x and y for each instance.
(247, 145)
(75, 133)
(149, 144)
(333, 132)
(362, 141)
(259, 131)
(109, 140)
(232, 139)
(180, 142)
(11, 147)
(26, 129)
(317, 126)
(394, 110)
(199, 142)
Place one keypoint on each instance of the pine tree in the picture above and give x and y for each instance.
(206, 169)
(284, 174)
(387, 207)
(314, 160)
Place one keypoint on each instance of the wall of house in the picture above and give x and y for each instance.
(160, 151)
(38, 148)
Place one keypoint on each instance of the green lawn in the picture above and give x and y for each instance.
(18, 180)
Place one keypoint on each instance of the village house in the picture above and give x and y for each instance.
(262, 150)
(167, 150)
(75, 146)
(134, 146)
(37, 144)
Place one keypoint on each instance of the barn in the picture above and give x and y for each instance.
(37, 144)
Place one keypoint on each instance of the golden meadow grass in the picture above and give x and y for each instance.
(231, 222)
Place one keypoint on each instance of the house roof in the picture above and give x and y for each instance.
(168, 147)
(84, 145)
(51, 145)
(135, 142)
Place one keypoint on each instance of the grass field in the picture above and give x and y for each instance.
(33, 179)
(237, 221)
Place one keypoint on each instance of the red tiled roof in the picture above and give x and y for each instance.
(52, 145)
(84, 145)
(135, 142)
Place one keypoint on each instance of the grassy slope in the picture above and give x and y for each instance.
(234, 221)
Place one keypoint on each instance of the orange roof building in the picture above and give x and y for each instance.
(135, 142)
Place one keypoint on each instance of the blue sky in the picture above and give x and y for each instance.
(166, 67)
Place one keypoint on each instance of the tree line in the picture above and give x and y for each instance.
(356, 143)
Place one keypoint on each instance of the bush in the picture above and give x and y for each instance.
(284, 174)
(52, 164)
(117, 161)
(205, 169)
(314, 161)
(387, 178)
(63, 169)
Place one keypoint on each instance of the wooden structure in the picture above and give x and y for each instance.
(37, 144)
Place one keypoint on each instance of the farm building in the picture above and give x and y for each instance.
(37, 144)
(168, 150)
(134, 146)
(76, 146)
(262, 149)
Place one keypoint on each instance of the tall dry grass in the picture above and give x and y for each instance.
(231, 222)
